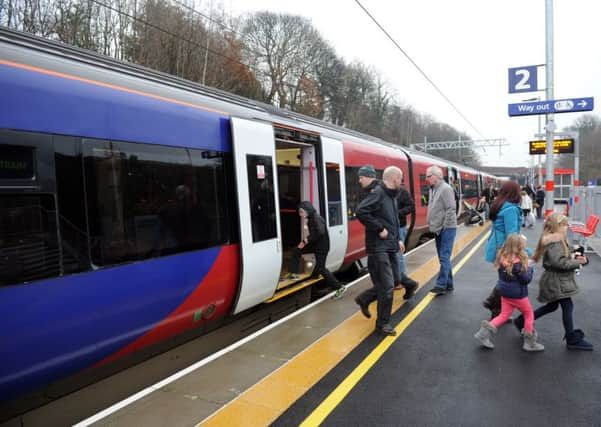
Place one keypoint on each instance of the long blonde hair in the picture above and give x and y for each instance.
(552, 225)
(514, 246)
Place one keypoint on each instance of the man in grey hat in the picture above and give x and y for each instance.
(379, 214)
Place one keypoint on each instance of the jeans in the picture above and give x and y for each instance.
(380, 266)
(444, 249)
(402, 235)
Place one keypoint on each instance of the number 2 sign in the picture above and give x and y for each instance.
(523, 79)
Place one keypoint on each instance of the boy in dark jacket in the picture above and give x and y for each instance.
(317, 242)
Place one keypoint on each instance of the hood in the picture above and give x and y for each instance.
(307, 207)
(552, 238)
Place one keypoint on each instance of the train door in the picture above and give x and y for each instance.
(336, 217)
(260, 234)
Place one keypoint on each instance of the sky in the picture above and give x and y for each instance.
(466, 48)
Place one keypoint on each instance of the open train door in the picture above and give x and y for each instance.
(260, 233)
(336, 217)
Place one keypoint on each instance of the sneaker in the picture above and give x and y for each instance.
(291, 276)
(364, 308)
(437, 290)
(339, 292)
(386, 330)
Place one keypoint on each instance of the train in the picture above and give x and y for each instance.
(137, 206)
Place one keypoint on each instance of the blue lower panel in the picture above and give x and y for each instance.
(54, 328)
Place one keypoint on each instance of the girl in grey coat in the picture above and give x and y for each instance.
(557, 283)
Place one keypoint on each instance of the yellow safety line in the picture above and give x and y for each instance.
(334, 399)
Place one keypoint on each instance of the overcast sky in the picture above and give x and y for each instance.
(466, 48)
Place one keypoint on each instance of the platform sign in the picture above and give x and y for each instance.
(552, 106)
(560, 146)
(523, 79)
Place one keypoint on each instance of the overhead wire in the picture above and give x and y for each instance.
(422, 72)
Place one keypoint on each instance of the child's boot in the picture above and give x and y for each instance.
(484, 334)
(575, 341)
(530, 341)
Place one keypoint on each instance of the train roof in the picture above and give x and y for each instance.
(61, 57)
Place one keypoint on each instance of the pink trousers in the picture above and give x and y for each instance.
(507, 307)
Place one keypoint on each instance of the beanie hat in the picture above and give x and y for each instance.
(367, 170)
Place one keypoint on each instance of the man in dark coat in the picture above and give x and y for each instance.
(539, 199)
(318, 243)
(378, 212)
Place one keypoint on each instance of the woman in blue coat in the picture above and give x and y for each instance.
(506, 215)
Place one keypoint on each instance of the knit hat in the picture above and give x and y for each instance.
(367, 170)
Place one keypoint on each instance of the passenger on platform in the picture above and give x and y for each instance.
(489, 194)
(526, 205)
(379, 214)
(406, 206)
(557, 283)
(540, 201)
(515, 274)
(442, 221)
(318, 243)
(506, 215)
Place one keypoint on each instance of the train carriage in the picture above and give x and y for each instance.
(136, 206)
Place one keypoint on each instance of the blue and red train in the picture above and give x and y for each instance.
(135, 206)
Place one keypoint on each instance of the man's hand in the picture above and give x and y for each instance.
(383, 234)
(401, 247)
(302, 244)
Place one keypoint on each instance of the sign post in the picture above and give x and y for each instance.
(550, 126)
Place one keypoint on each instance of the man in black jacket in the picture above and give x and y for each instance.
(318, 243)
(378, 212)
(406, 206)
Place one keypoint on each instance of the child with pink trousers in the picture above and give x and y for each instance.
(515, 272)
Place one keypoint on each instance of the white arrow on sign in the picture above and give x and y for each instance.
(582, 103)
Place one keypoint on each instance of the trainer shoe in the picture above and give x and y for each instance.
(339, 292)
(364, 308)
(386, 330)
(437, 290)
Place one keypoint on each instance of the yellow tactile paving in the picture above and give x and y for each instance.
(262, 403)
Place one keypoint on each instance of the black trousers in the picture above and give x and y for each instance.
(320, 265)
(382, 267)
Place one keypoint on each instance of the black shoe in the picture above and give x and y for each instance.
(364, 308)
(410, 291)
(450, 288)
(437, 290)
(386, 330)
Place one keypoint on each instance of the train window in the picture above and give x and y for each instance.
(424, 189)
(262, 197)
(354, 192)
(72, 214)
(29, 247)
(469, 188)
(146, 201)
(334, 199)
(16, 162)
